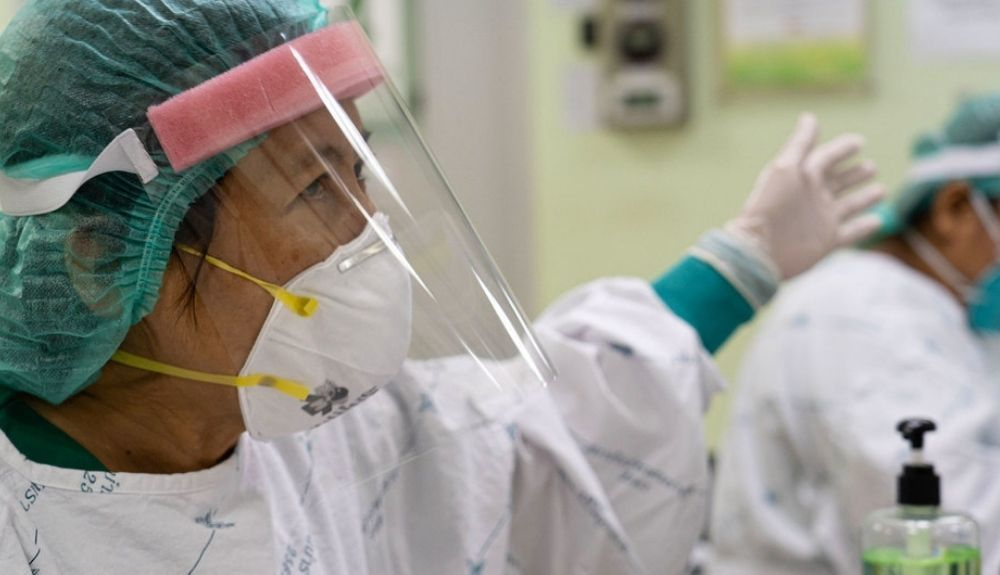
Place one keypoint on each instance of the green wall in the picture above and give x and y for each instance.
(614, 203)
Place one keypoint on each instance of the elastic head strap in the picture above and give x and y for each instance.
(956, 163)
(940, 264)
(987, 216)
(30, 189)
(289, 387)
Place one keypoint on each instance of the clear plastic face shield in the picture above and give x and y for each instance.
(331, 274)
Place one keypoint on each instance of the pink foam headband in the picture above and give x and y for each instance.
(266, 92)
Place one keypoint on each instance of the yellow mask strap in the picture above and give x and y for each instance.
(289, 387)
(303, 306)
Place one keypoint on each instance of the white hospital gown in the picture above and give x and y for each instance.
(602, 473)
(851, 349)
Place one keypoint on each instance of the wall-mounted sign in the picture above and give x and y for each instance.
(793, 44)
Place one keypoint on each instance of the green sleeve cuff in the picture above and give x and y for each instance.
(704, 299)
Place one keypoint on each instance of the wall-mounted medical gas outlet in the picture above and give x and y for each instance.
(643, 63)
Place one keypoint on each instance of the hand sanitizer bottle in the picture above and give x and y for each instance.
(916, 537)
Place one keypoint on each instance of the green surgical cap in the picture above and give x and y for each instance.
(975, 125)
(74, 74)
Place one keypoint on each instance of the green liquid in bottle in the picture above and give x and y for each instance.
(953, 561)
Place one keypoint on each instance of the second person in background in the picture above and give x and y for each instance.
(908, 328)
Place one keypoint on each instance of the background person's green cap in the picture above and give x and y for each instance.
(966, 149)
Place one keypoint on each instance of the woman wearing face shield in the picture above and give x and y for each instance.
(247, 327)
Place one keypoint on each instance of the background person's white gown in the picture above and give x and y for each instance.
(851, 349)
(605, 473)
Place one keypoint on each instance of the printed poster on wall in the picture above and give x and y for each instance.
(793, 44)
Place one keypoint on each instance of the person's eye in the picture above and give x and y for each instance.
(360, 173)
(316, 190)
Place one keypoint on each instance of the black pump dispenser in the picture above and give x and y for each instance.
(918, 485)
(916, 537)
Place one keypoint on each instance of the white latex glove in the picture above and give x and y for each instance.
(801, 208)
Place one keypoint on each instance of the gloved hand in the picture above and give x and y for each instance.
(802, 207)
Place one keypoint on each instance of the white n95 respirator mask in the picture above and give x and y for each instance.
(336, 333)
(353, 343)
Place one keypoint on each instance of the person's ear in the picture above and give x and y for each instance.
(92, 257)
(952, 218)
(94, 254)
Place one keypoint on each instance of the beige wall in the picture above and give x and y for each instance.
(612, 203)
(475, 91)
